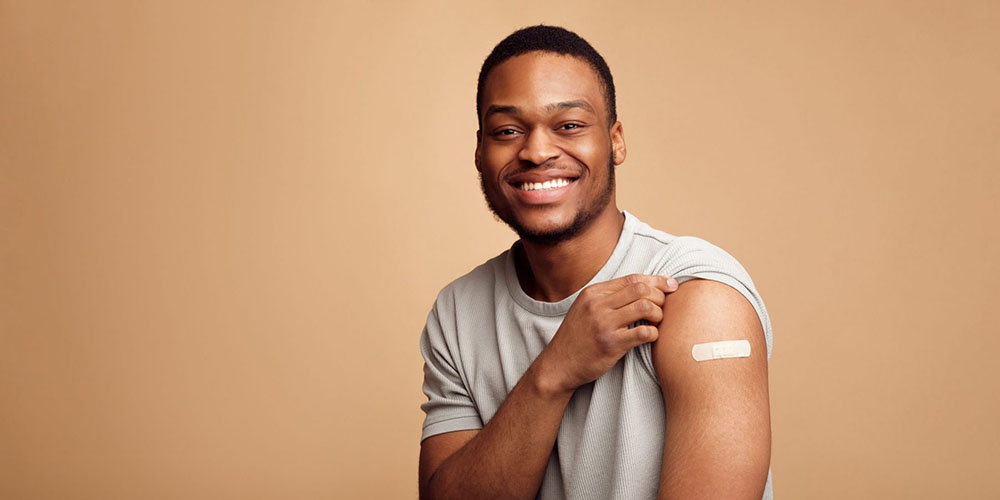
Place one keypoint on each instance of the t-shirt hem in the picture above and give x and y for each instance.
(452, 424)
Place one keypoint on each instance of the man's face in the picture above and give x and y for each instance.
(546, 153)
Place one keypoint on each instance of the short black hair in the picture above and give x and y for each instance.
(548, 39)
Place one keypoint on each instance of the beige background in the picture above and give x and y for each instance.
(222, 225)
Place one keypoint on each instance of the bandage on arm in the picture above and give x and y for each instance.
(721, 350)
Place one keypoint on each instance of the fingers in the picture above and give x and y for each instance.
(661, 283)
(640, 309)
(633, 292)
(640, 334)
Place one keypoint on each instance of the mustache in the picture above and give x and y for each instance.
(575, 170)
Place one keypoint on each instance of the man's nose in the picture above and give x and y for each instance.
(538, 147)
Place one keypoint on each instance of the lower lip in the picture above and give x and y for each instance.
(543, 196)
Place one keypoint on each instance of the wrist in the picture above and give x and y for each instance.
(546, 381)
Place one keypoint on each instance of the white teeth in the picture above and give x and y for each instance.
(549, 184)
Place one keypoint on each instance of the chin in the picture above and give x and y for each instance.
(548, 230)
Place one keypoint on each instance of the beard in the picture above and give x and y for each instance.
(555, 236)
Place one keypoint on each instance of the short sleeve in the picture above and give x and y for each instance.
(688, 258)
(449, 406)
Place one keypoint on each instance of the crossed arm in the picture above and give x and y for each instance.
(717, 436)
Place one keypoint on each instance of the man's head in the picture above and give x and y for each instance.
(557, 41)
(546, 104)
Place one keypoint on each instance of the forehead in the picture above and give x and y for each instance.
(536, 79)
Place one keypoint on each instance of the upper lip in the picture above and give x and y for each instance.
(547, 175)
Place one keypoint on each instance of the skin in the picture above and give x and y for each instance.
(545, 112)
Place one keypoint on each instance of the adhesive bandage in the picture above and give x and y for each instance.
(721, 349)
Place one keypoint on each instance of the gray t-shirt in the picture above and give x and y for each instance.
(484, 331)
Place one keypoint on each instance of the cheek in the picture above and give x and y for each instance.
(489, 179)
(500, 148)
(590, 153)
(593, 143)
(492, 158)
(497, 161)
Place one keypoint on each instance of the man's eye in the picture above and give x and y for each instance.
(505, 132)
(571, 126)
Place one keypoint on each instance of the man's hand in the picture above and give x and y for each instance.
(596, 332)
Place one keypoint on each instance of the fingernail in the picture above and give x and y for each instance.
(671, 282)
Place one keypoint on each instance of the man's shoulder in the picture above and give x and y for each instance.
(672, 252)
(690, 257)
(481, 279)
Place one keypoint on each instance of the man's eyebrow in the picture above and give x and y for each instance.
(507, 110)
(579, 103)
(514, 110)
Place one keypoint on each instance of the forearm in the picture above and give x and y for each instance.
(507, 458)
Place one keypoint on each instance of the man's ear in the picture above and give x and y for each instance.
(479, 140)
(618, 143)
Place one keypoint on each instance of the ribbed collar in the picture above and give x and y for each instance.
(559, 308)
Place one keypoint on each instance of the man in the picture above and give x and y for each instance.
(573, 365)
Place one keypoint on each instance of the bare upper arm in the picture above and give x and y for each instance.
(718, 434)
(436, 449)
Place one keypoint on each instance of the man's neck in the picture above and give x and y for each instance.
(551, 273)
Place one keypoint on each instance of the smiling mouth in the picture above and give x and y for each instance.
(542, 186)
